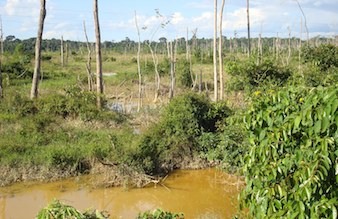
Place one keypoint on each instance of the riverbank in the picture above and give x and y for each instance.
(196, 193)
(66, 135)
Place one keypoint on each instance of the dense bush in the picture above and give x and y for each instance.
(164, 67)
(56, 209)
(183, 73)
(313, 76)
(248, 73)
(291, 169)
(324, 56)
(175, 136)
(160, 214)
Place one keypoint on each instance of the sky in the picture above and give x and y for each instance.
(117, 18)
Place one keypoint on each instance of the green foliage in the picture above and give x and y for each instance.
(324, 56)
(164, 67)
(20, 105)
(183, 73)
(313, 76)
(58, 210)
(226, 146)
(248, 73)
(76, 103)
(291, 169)
(160, 214)
(175, 136)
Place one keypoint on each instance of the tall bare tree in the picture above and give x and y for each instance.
(173, 51)
(37, 67)
(215, 52)
(306, 28)
(1, 55)
(248, 19)
(139, 105)
(1, 37)
(61, 53)
(220, 52)
(89, 60)
(99, 78)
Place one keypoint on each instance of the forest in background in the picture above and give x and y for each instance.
(277, 126)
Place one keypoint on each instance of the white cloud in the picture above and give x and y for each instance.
(177, 18)
(22, 7)
(206, 4)
(204, 16)
(68, 34)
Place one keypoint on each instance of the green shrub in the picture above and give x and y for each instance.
(175, 136)
(77, 103)
(291, 169)
(160, 214)
(183, 73)
(324, 56)
(164, 67)
(248, 73)
(313, 76)
(21, 105)
(56, 210)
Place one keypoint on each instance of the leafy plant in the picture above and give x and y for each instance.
(160, 214)
(184, 73)
(324, 56)
(175, 137)
(291, 169)
(248, 73)
(58, 210)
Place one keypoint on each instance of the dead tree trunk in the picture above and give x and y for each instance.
(89, 60)
(187, 46)
(1, 37)
(260, 49)
(215, 52)
(220, 52)
(300, 45)
(157, 74)
(61, 53)
(99, 78)
(37, 67)
(289, 48)
(139, 105)
(172, 70)
(67, 54)
(248, 19)
(1, 55)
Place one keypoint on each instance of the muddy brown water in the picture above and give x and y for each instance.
(196, 193)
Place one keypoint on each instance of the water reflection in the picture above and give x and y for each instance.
(195, 192)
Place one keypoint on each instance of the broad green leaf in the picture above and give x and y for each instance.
(334, 212)
(297, 122)
(317, 126)
(325, 123)
(334, 106)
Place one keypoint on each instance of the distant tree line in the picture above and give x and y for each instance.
(200, 47)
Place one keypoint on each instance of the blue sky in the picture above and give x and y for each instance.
(65, 17)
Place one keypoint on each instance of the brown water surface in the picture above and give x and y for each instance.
(196, 193)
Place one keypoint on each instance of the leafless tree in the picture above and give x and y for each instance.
(220, 52)
(248, 19)
(99, 78)
(89, 60)
(139, 105)
(172, 69)
(305, 23)
(1, 56)
(215, 52)
(37, 67)
(289, 47)
(61, 53)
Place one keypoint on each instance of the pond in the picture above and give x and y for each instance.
(207, 193)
